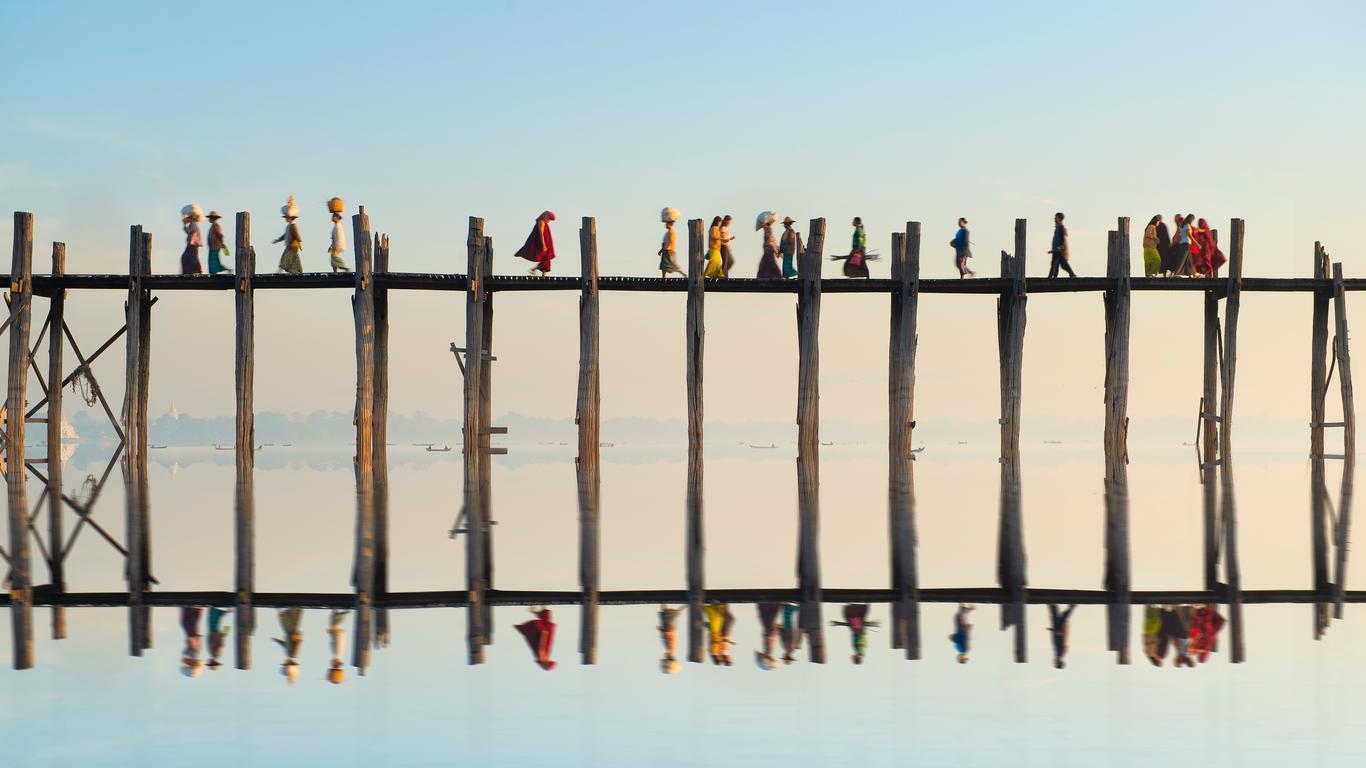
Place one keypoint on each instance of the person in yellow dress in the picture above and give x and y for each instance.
(715, 267)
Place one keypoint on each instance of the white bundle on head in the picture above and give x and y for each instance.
(192, 212)
(290, 208)
(669, 214)
(764, 219)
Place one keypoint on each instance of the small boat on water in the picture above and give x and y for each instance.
(424, 445)
(1052, 442)
(156, 446)
(442, 449)
(755, 445)
(962, 442)
(825, 443)
(607, 445)
(921, 449)
(286, 445)
(220, 447)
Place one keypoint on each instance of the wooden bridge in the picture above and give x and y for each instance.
(371, 283)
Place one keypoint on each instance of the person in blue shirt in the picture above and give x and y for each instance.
(1060, 250)
(962, 250)
(962, 628)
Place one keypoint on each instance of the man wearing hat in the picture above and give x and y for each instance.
(790, 246)
(218, 250)
(190, 216)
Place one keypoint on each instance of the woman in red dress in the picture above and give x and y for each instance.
(540, 635)
(539, 247)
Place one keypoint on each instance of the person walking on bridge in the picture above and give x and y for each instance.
(962, 251)
(293, 240)
(668, 249)
(218, 248)
(789, 247)
(962, 629)
(1061, 251)
(1058, 631)
(539, 246)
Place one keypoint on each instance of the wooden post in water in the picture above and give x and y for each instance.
(586, 464)
(1209, 464)
(900, 431)
(380, 440)
(808, 438)
(144, 389)
(696, 541)
(133, 439)
(1117, 574)
(1318, 484)
(475, 523)
(244, 512)
(20, 311)
(1228, 508)
(486, 442)
(55, 322)
(1010, 335)
(363, 306)
(1349, 438)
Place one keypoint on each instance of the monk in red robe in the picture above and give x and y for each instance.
(540, 635)
(539, 246)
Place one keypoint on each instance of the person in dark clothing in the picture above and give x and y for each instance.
(1060, 250)
(1058, 629)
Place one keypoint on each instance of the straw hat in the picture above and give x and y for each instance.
(764, 219)
(213, 215)
(669, 214)
(789, 220)
(290, 209)
(192, 212)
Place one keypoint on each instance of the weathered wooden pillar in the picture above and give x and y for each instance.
(900, 431)
(1228, 509)
(696, 542)
(586, 464)
(475, 523)
(1209, 458)
(1349, 439)
(1010, 315)
(134, 441)
(1117, 573)
(143, 478)
(380, 441)
(486, 450)
(20, 311)
(1318, 484)
(244, 507)
(55, 322)
(808, 438)
(363, 306)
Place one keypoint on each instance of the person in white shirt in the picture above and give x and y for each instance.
(338, 245)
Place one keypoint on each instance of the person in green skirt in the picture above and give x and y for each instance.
(218, 248)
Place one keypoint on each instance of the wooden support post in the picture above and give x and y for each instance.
(1209, 401)
(696, 542)
(244, 511)
(1010, 316)
(55, 320)
(486, 442)
(1318, 484)
(808, 438)
(380, 441)
(1117, 573)
(1349, 436)
(1228, 509)
(586, 464)
(475, 524)
(900, 432)
(363, 305)
(144, 389)
(134, 442)
(20, 311)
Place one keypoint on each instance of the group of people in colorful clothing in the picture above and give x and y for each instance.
(290, 261)
(291, 619)
(779, 625)
(1191, 631)
(1191, 250)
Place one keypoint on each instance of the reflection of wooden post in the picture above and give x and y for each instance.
(1229, 510)
(20, 310)
(1318, 484)
(901, 418)
(55, 320)
(133, 438)
(486, 442)
(363, 305)
(1010, 316)
(586, 416)
(1117, 579)
(808, 438)
(144, 388)
(245, 507)
(696, 542)
(1349, 436)
(380, 439)
(1209, 403)
(475, 523)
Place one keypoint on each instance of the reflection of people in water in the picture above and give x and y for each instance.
(540, 635)
(720, 622)
(668, 635)
(1057, 619)
(856, 619)
(290, 618)
(1205, 625)
(1152, 628)
(218, 635)
(768, 628)
(336, 639)
(190, 663)
(1176, 631)
(962, 628)
(791, 632)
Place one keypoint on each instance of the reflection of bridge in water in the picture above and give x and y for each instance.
(370, 597)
